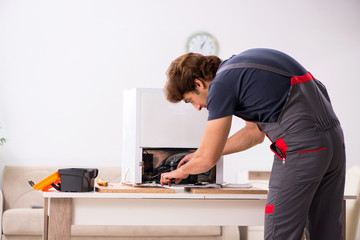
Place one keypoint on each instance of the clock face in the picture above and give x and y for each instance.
(202, 43)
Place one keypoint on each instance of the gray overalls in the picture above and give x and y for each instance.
(308, 173)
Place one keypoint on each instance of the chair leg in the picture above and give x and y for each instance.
(243, 232)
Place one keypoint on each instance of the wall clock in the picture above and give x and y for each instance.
(203, 43)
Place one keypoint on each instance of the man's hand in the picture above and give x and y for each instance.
(177, 174)
(186, 159)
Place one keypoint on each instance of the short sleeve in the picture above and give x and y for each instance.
(221, 100)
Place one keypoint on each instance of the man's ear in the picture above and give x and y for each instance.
(199, 84)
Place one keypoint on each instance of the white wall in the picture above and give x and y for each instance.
(64, 65)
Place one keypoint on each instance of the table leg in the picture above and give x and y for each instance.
(60, 218)
(46, 219)
(344, 220)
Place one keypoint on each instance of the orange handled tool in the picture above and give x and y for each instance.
(51, 181)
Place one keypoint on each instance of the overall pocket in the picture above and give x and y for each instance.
(311, 164)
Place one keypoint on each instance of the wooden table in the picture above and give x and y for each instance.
(61, 210)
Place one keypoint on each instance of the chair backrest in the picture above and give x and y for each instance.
(18, 193)
(352, 186)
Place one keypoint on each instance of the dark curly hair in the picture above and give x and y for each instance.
(184, 70)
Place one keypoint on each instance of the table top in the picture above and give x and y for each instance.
(179, 194)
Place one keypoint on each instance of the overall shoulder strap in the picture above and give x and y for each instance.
(254, 65)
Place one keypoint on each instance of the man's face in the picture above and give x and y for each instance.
(197, 98)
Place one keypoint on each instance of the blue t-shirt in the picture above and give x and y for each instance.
(249, 93)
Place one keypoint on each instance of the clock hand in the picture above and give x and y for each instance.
(202, 45)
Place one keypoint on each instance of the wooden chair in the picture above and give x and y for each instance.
(352, 186)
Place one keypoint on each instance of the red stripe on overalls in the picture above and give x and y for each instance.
(280, 143)
(301, 79)
(269, 209)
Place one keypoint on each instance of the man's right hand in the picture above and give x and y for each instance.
(186, 159)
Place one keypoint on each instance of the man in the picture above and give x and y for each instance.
(276, 96)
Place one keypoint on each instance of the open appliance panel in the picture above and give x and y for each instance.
(151, 123)
(159, 160)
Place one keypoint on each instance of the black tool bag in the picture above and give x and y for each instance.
(77, 179)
